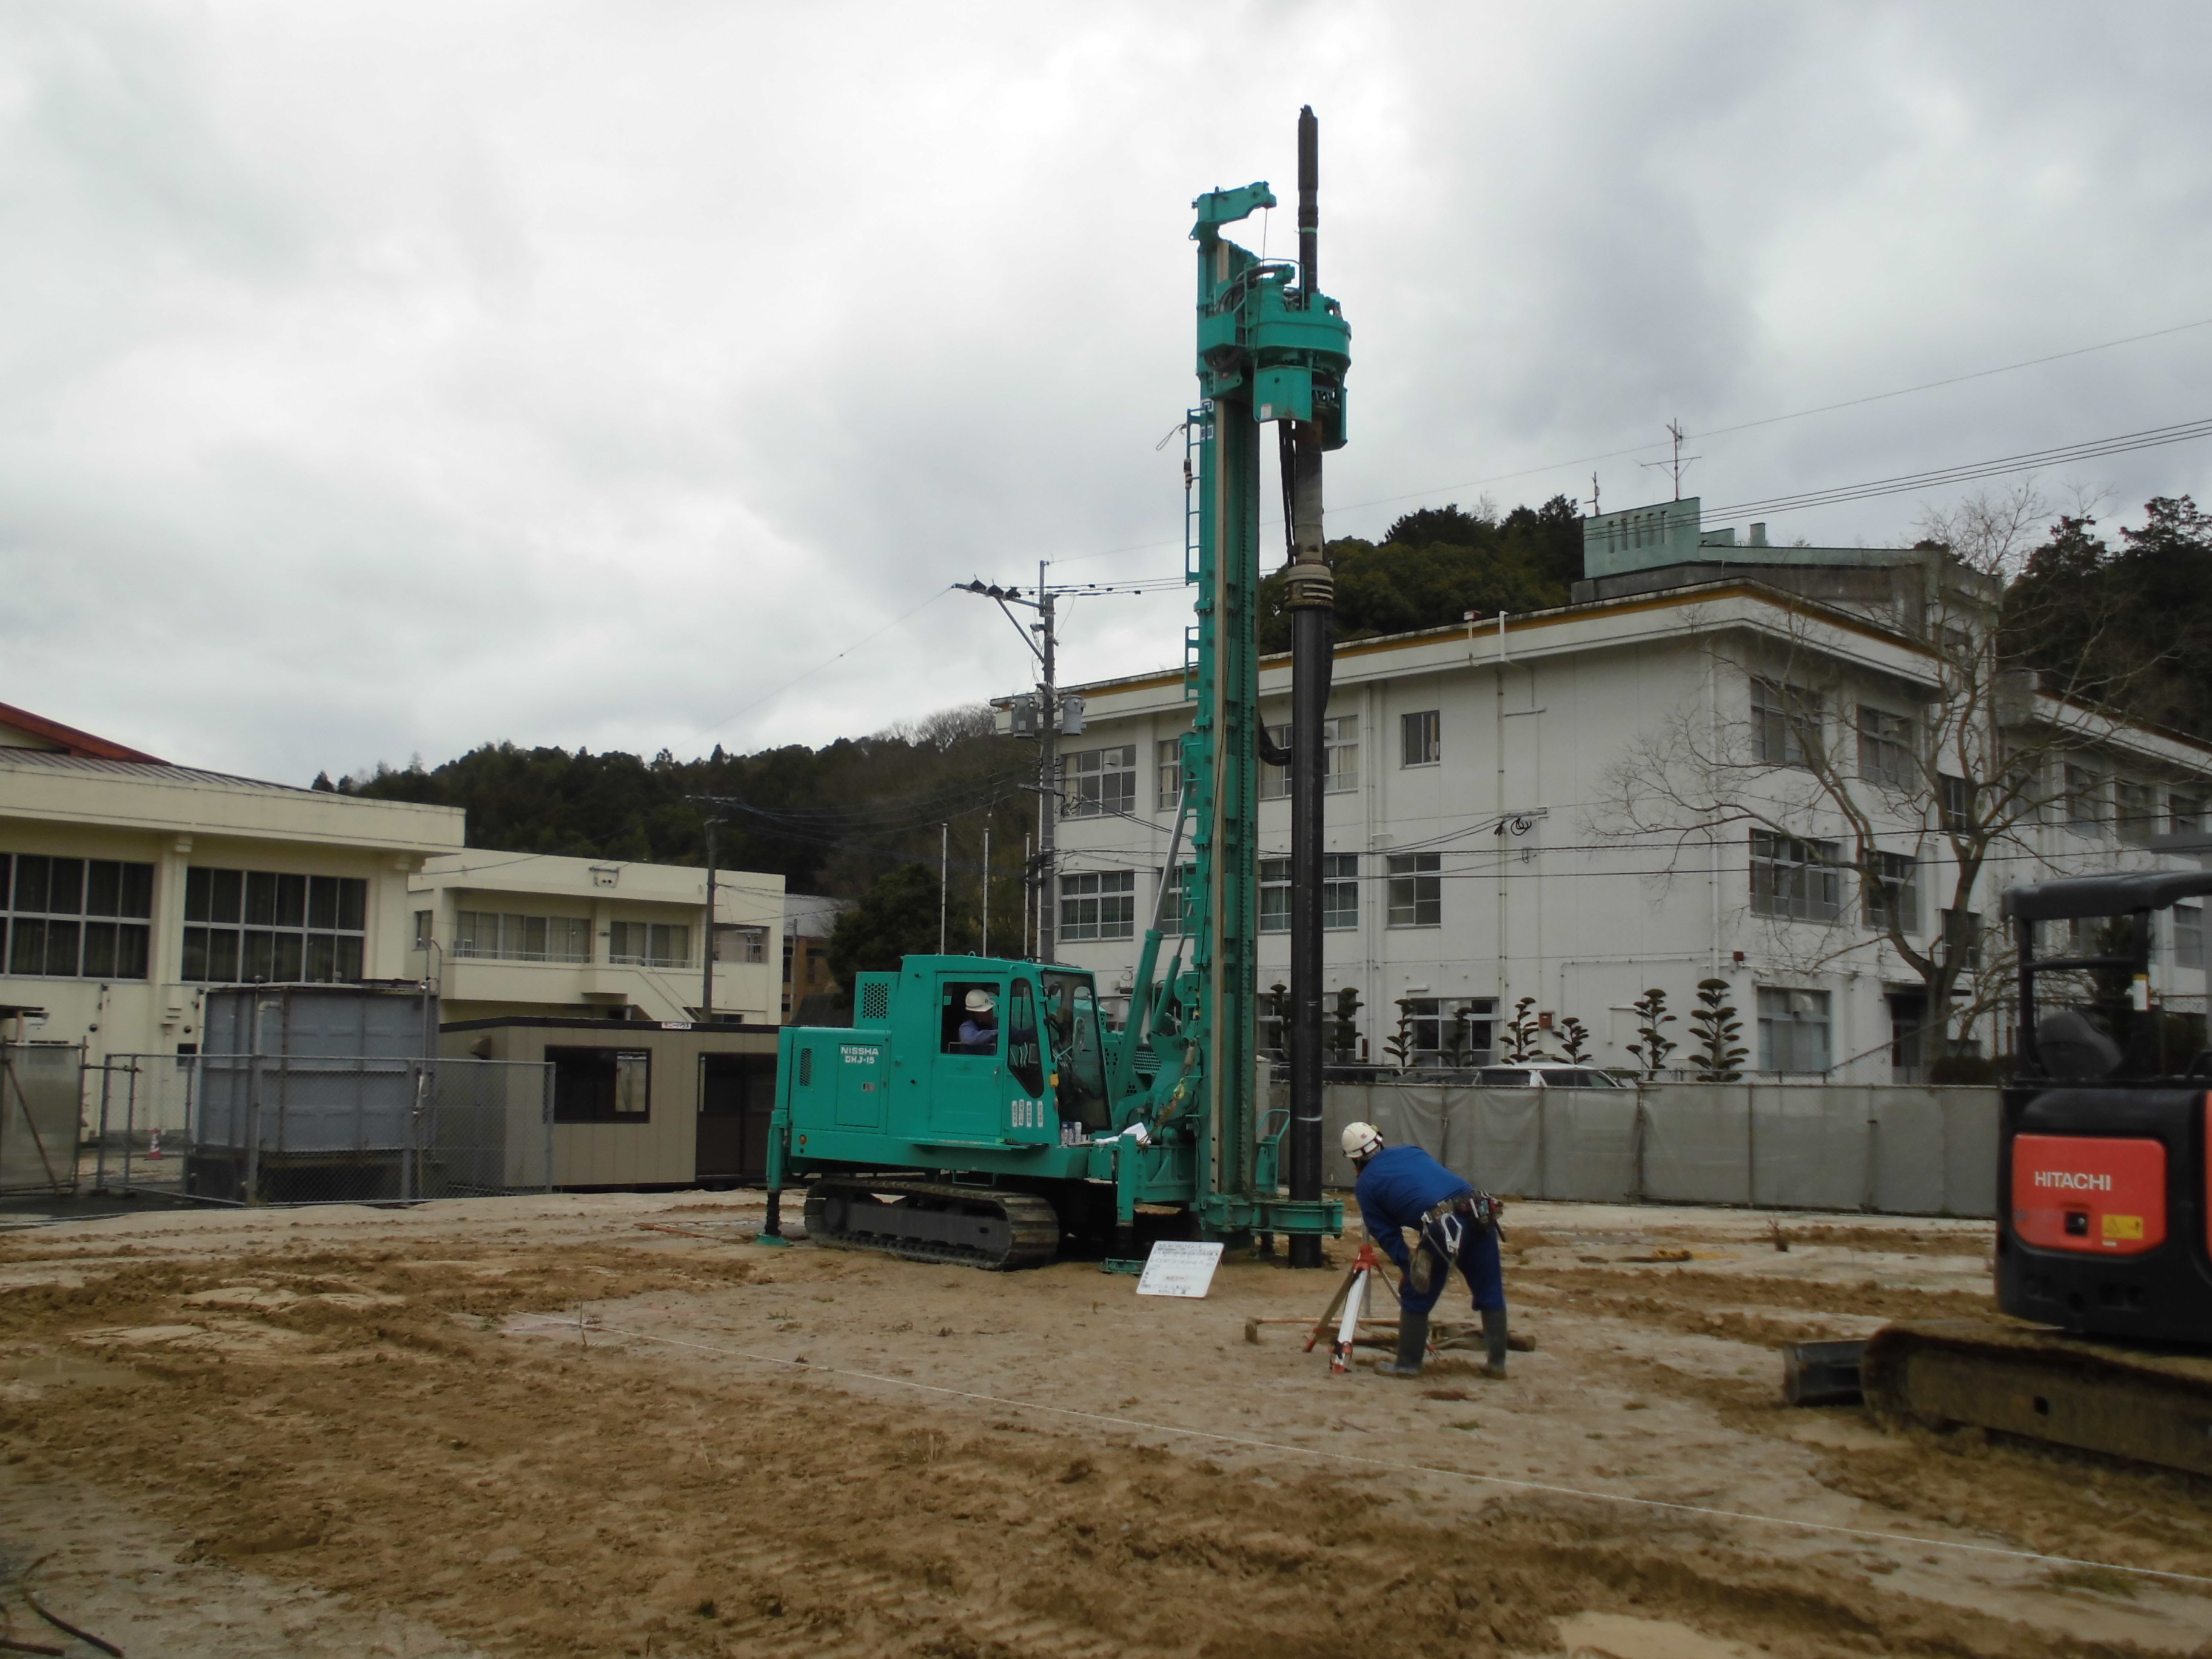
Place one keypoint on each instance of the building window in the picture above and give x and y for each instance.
(2189, 936)
(734, 943)
(1169, 753)
(1450, 1031)
(1340, 759)
(489, 933)
(1891, 883)
(423, 921)
(1954, 804)
(1786, 724)
(1417, 889)
(1792, 1030)
(1275, 895)
(1796, 878)
(1098, 904)
(2136, 816)
(601, 1085)
(649, 944)
(2185, 812)
(2085, 799)
(1102, 781)
(1885, 748)
(1340, 891)
(257, 925)
(74, 918)
(1175, 914)
(1962, 938)
(1421, 738)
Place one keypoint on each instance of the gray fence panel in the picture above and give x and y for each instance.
(1495, 1136)
(1907, 1152)
(1589, 1143)
(1696, 1143)
(1340, 1104)
(1808, 1145)
(41, 1092)
(1969, 1150)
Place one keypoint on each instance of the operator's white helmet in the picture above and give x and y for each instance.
(1362, 1141)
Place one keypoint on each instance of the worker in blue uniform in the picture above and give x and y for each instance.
(1402, 1187)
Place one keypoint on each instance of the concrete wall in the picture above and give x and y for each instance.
(1895, 1150)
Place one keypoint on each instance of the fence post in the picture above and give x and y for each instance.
(99, 1157)
(1642, 1131)
(251, 1194)
(545, 1115)
(1751, 1146)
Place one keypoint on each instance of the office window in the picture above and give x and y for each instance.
(1340, 891)
(1962, 938)
(2135, 816)
(1786, 724)
(649, 944)
(1796, 878)
(1275, 895)
(74, 918)
(1792, 1030)
(2189, 936)
(253, 926)
(1101, 781)
(743, 945)
(1885, 748)
(1954, 803)
(602, 1085)
(2085, 799)
(1450, 1030)
(1098, 904)
(423, 927)
(1421, 738)
(1169, 752)
(491, 934)
(1892, 889)
(1175, 914)
(1340, 759)
(1417, 889)
(2185, 810)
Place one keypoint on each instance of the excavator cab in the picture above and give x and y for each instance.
(2104, 1216)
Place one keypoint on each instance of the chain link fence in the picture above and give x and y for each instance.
(39, 1084)
(293, 1129)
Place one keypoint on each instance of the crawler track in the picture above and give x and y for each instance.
(933, 1221)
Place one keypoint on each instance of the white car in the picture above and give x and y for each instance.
(1545, 1074)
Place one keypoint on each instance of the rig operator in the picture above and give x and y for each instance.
(979, 1032)
(1402, 1187)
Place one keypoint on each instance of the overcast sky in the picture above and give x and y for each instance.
(379, 380)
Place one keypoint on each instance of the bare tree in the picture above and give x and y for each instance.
(1852, 760)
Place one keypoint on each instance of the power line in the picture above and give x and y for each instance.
(1710, 432)
(819, 667)
(1967, 471)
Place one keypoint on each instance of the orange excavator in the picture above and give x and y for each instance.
(2104, 1240)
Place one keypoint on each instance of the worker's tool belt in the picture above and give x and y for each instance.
(1444, 1226)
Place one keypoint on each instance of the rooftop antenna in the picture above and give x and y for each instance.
(1594, 505)
(1674, 431)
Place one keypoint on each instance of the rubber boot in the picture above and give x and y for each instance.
(1412, 1346)
(1494, 1338)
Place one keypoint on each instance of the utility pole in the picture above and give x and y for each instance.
(986, 949)
(1048, 800)
(1595, 508)
(706, 955)
(944, 880)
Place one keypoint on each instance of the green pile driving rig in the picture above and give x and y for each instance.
(913, 1142)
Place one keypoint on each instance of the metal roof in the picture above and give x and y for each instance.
(148, 771)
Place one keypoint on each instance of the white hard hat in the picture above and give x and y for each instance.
(981, 1001)
(1362, 1141)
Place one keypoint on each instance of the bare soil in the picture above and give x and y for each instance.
(593, 1425)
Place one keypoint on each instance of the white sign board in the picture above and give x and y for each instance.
(1179, 1269)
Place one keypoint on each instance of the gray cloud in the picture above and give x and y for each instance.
(382, 379)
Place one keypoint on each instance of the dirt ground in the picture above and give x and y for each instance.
(610, 1424)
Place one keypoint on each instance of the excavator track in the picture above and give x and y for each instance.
(933, 1221)
(2147, 1405)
